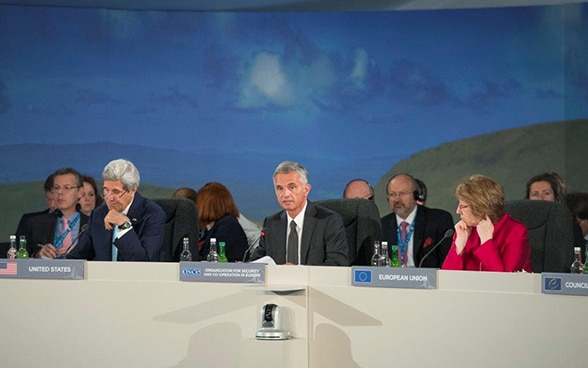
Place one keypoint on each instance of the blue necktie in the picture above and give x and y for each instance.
(114, 248)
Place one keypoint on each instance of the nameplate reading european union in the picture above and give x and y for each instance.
(564, 283)
(407, 278)
(246, 273)
(62, 269)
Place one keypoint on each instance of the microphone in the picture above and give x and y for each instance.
(448, 234)
(74, 242)
(253, 246)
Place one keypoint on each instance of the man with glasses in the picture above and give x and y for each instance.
(127, 227)
(415, 229)
(53, 235)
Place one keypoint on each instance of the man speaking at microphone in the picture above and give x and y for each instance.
(127, 227)
(52, 235)
(420, 232)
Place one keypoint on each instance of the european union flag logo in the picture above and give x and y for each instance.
(552, 283)
(364, 276)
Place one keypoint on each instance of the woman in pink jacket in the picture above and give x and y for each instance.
(486, 238)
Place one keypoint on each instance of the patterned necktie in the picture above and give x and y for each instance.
(292, 252)
(114, 248)
(67, 240)
(403, 230)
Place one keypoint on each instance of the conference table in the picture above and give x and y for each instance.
(129, 314)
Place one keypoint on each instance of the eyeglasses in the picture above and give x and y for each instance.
(114, 194)
(66, 188)
(399, 194)
(462, 207)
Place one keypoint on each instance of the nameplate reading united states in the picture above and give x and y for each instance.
(406, 278)
(564, 283)
(246, 273)
(65, 269)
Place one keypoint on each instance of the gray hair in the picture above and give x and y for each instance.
(124, 171)
(286, 167)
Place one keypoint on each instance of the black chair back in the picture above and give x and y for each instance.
(362, 226)
(551, 238)
(181, 220)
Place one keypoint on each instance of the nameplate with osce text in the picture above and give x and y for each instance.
(391, 277)
(61, 269)
(246, 273)
(564, 283)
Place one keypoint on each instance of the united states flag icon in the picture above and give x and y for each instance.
(7, 268)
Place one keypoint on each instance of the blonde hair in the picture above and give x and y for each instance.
(484, 196)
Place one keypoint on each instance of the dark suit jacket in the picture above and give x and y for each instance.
(41, 230)
(142, 243)
(226, 229)
(323, 240)
(23, 228)
(429, 228)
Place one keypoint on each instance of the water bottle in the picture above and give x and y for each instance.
(577, 266)
(384, 259)
(12, 251)
(22, 251)
(212, 253)
(186, 256)
(222, 257)
(376, 256)
(395, 262)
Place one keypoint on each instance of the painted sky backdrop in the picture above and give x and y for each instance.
(349, 93)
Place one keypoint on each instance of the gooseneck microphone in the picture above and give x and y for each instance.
(252, 247)
(448, 234)
(74, 242)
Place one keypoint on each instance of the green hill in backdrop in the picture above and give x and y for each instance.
(511, 157)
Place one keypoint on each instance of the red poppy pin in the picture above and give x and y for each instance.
(428, 242)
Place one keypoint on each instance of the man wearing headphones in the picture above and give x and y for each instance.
(416, 229)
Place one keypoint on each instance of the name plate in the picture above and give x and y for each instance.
(246, 273)
(65, 269)
(407, 278)
(564, 283)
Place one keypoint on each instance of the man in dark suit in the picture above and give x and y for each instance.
(127, 227)
(52, 235)
(22, 228)
(302, 233)
(421, 227)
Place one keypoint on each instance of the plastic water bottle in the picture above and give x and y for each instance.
(12, 251)
(186, 256)
(577, 266)
(212, 253)
(384, 259)
(376, 256)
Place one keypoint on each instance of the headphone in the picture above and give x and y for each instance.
(421, 193)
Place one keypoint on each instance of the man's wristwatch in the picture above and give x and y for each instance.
(126, 225)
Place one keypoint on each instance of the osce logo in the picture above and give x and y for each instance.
(191, 271)
(552, 283)
(363, 276)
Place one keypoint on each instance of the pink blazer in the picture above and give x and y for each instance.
(507, 251)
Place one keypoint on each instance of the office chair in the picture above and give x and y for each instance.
(549, 225)
(181, 219)
(362, 226)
